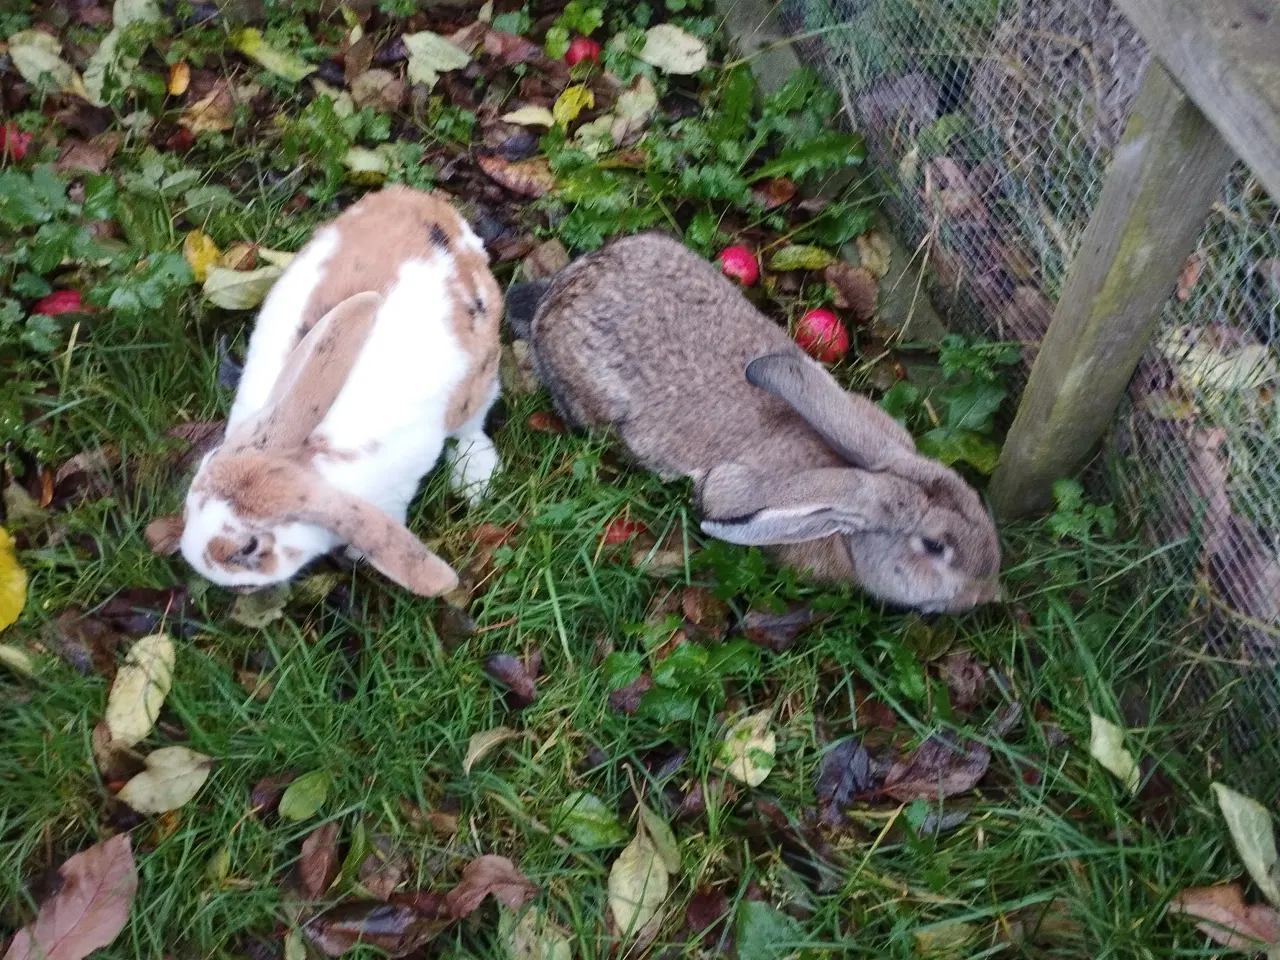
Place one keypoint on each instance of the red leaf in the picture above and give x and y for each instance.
(544, 422)
(513, 674)
(13, 141)
(487, 875)
(266, 793)
(397, 930)
(774, 193)
(620, 530)
(60, 301)
(90, 909)
(778, 631)
(319, 863)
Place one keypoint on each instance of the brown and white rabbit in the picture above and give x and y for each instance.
(378, 342)
(647, 338)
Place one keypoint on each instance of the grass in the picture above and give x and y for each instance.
(1053, 858)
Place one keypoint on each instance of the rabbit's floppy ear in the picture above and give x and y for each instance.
(313, 376)
(271, 490)
(745, 506)
(863, 434)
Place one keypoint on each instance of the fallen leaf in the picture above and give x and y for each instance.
(304, 797)
(948, 940)
(115, 762)
(277, 258)
(318, 865)
(481, 743)
(173, 775)
(262, 607)
(965, 678)
(671, 50)
(239, 289)
(748, 749)
(142, 611)
(179, 78)
(774, 192)
(530, 117)
(533, 937)
(589, 822)
(571, 102)
(801, 257)
(485, 876)
(527, 178)
(212, 112)
(109, 58)
(17, 660)
(1106, 745)
(706, 615)
(938, 768)
(383, 869)
(875, 253)
(13, 582)
(545, 260)
(853, 289)
(1191, 271)
(88, 911)
(1207, 360)
(92, 157)
(510, 49)
(1254, 836)
(845, 772)
(762, 932)
(266, 793)
(36, 54)
(627, 699)
(201, 253)
(291, 67)
(638, 885)
(368, 167)
(705, 913)
(1227, 919)
(664, 840)
(139, 689)
(431, 55)
(393, 928)
(778, 631)
(511, 672)
(634, 108)
(240, 256)
(378, 89)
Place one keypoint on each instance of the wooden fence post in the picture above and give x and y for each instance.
(1164, 177)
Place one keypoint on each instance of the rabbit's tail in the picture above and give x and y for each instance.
(522, 304)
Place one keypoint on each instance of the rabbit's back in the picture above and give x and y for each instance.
(647, 337)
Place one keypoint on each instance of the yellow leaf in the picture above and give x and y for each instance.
(671, 50)
(283, 64)
(19, 661)
(13, 582)
(875, 253)
(572, 102)
(748, 749)
(1106, 745)
(211, 113)
(530, 117)
(173, 776)
(36, 54)
(638, 883)
(139, 689)
(239, 289)
(179, 78)
(201, 253)
(481, 743)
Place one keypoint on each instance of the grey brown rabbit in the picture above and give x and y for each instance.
(647, 338)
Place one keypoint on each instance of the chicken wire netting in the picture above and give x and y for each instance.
(993, 122)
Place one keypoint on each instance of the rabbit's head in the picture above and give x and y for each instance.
(257, 511)
(905, 528)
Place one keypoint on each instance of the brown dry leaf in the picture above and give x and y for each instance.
(201, 436)
(774, 192)
(357, 57)
(544, 421)
(90, 157)
(265, 795)
(527, 178)
(1190, 274)
(239, 256)
(1226, 919)
(482, 743)
(212, 112)
(114, 761)
(1041, 924)
(379, 89)
(627, 699)
(516, 370)
(487, 875)
(383, 869)
(939, 767)
(87, 644)
(660, 559)
(395, 929)
(965, 678)
(707, 614)
(853, 289)
(88, 911)
(778, 631)
(706, 914)
(163, 534)
(318, 866)
(546, 260)
(510, 49)
(512, 673)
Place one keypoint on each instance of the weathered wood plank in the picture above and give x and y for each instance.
(1164, 177)
(1226, 55)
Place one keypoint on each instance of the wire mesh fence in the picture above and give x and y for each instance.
(994, 122)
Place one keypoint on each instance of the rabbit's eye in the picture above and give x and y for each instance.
(935, 548)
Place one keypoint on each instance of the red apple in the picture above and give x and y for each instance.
(60, 301)
(821, 335)
(620, 530)
(13, 141)
(739, 263)
(582, 48)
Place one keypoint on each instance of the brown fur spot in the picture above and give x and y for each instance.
(219, 550)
